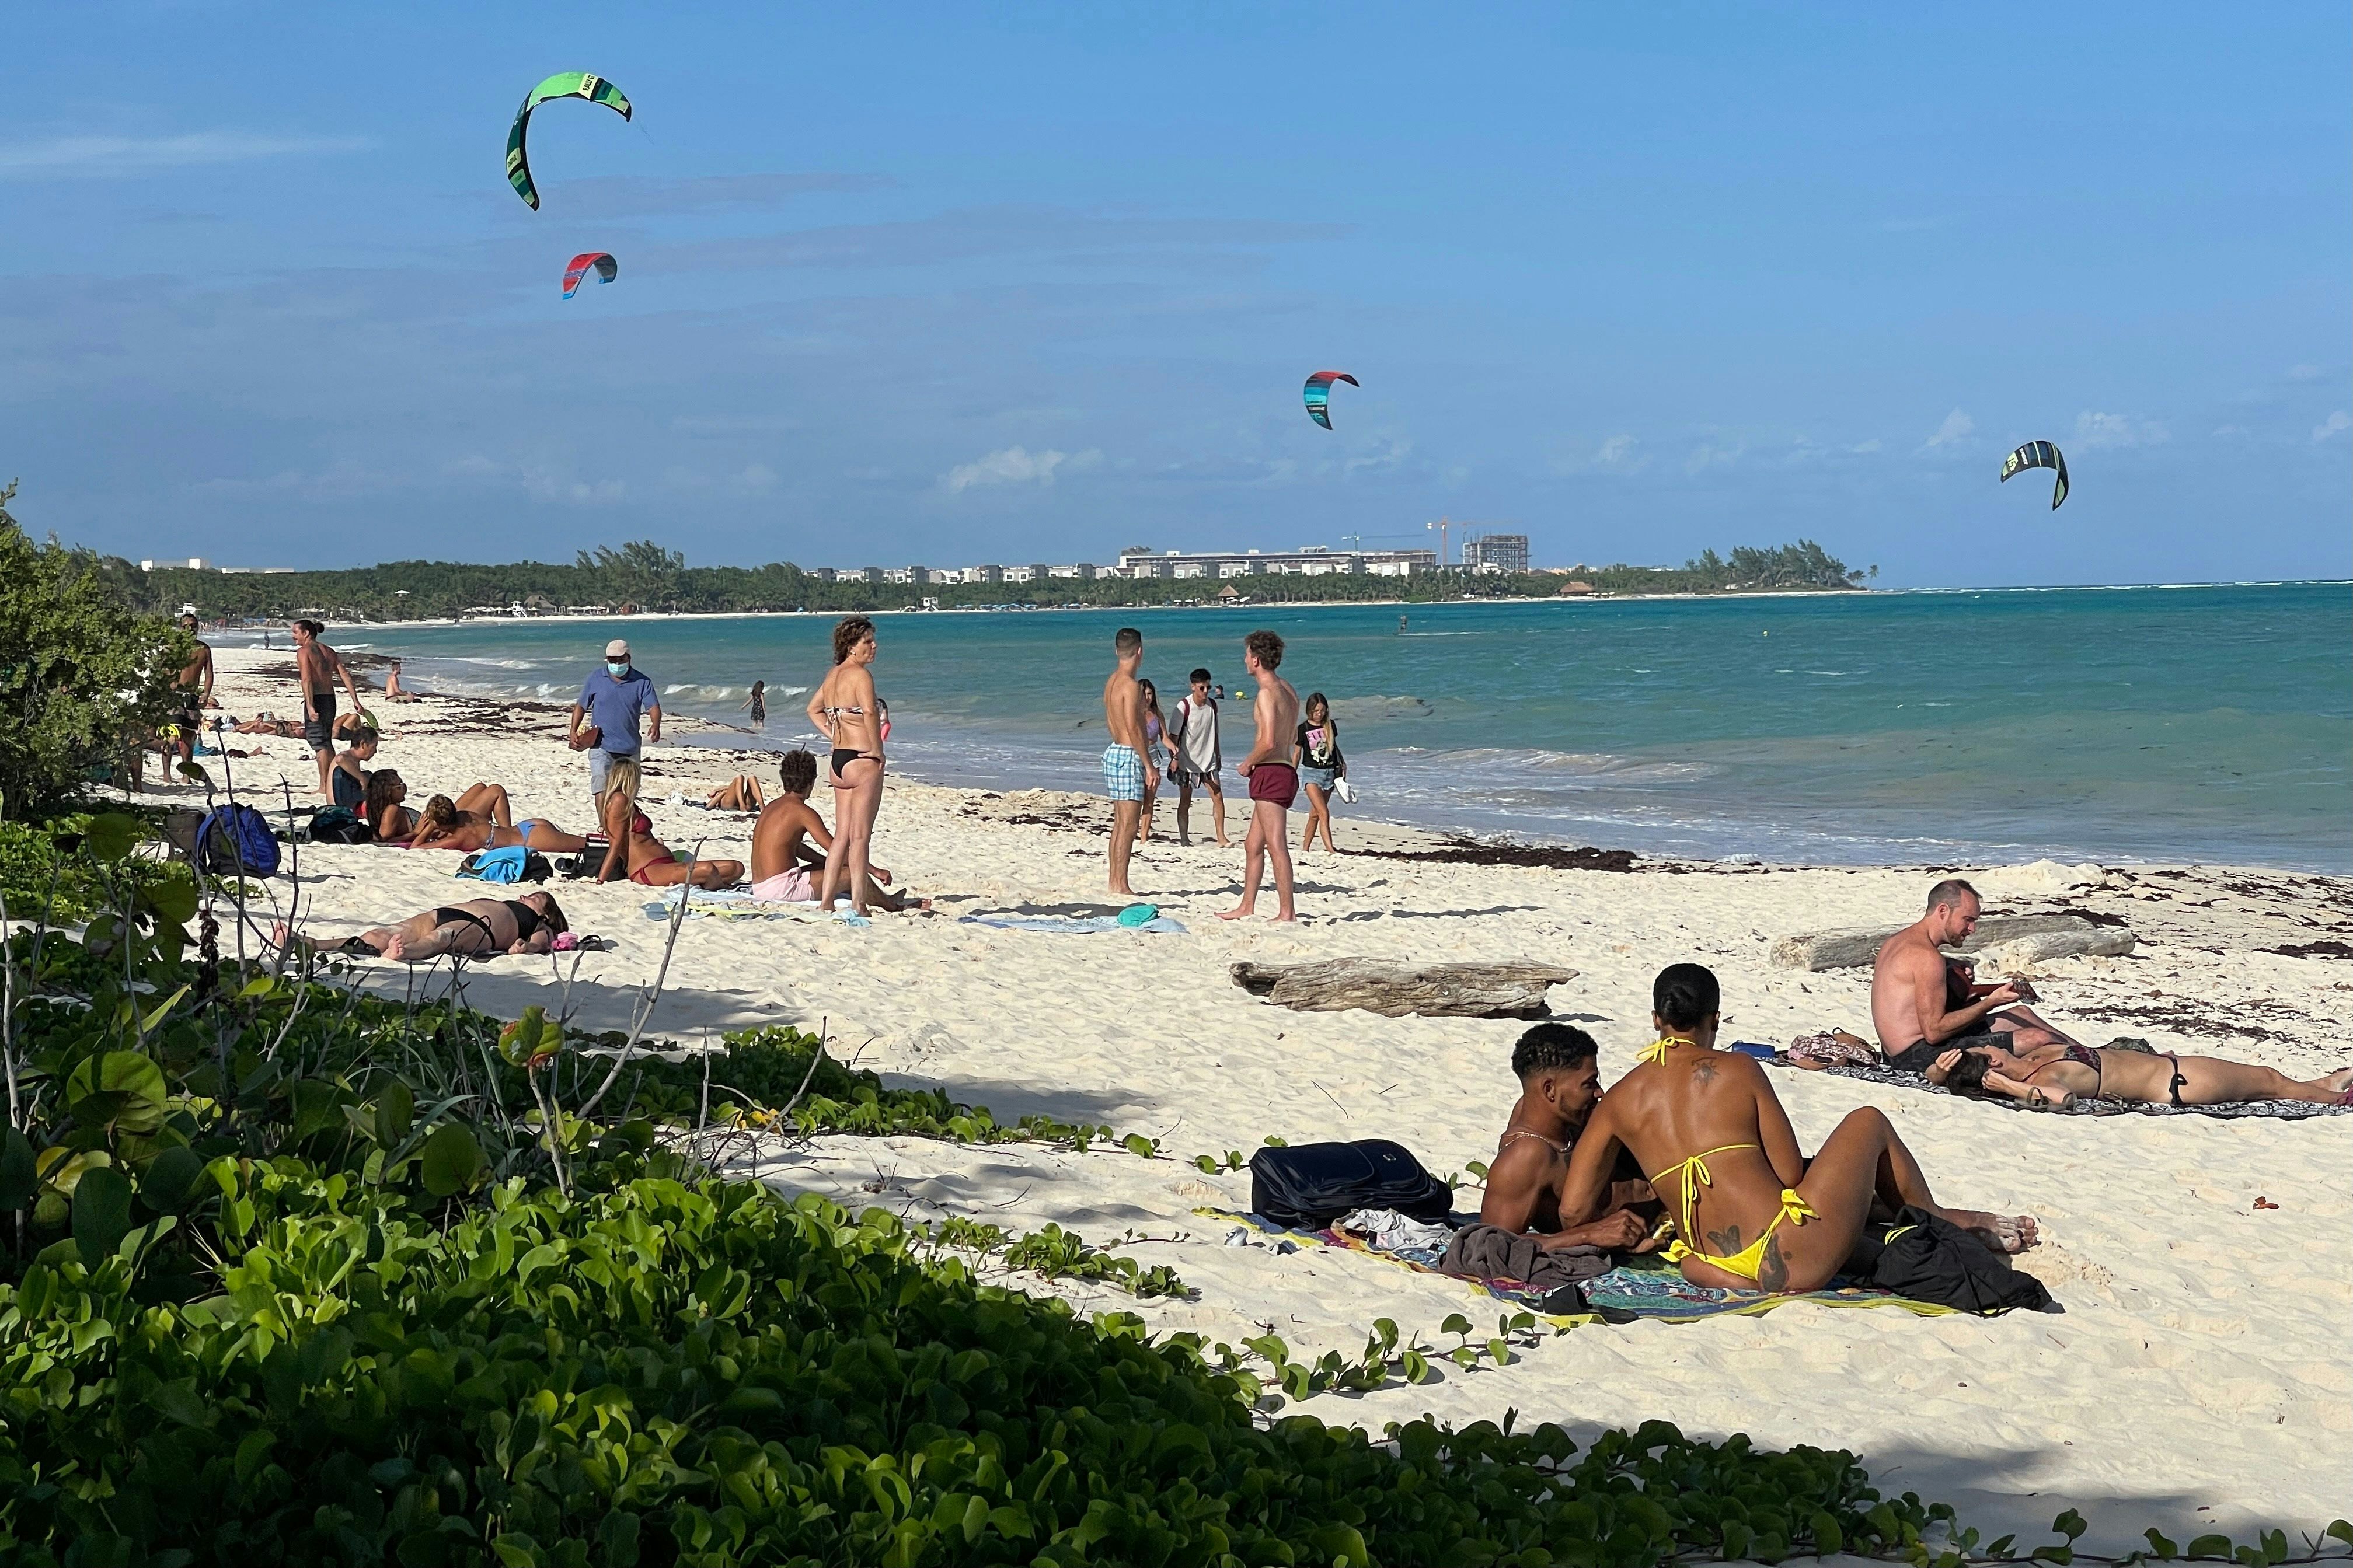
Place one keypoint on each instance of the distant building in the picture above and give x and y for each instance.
(1033, 573)
(1310, 561)
(1493, 553)
(858, 574)
(909, 574)
(193, 564)
(984, 573)
(823, 573)
(1081, 571)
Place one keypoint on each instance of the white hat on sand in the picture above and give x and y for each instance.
(618, 648)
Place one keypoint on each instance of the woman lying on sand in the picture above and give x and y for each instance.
(740, 792)
(2140, 1078)
(456, 824)
(647, 860)
(1751, 1211)
(478, 928)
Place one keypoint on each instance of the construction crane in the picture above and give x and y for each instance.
(1442, 525)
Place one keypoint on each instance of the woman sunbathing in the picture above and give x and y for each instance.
(2140, 1078)
(647, 860)
(478, 928)
(452, 825)
(740, 792)
(1750, 1210)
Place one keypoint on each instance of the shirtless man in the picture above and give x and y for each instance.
(197, 681)
(316, 668)
(1560, 1077)
(1923, 1005)
(1128, 767)
(1274, 782)
(790, 841)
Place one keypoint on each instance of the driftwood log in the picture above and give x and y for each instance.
(2048, 936)
(1394, 990)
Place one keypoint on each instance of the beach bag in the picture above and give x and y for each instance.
(513, 864)
(235, 840)
(1927, 1257)
(1311, 1185)
(589, 860)
(336, 825)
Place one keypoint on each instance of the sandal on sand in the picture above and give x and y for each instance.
(358, 947)
(2038, 1098)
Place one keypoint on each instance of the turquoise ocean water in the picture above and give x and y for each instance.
(2173, 724)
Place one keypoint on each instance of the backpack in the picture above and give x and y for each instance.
(1926, 1257)
(513, 864)
(1314, 1184)
(235, 840)
(336, 825)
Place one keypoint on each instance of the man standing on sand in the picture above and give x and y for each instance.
(316, 666)
(1127, 770)
(1274, 782)
(195, 682)
(1193, 748)
(1923, 1004)
(613, 698)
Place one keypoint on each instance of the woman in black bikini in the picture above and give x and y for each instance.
(478, 928)
(387, 819)
(849, 713)
(2141, 1076)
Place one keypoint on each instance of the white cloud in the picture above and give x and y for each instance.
(1958, 427)
(1618, 455)
(120, 157)
(1016, 466)
(2336, 424)
(757, 480)
(2095, 430)
(1862, 448)
(1708, 454)
(2304, 372)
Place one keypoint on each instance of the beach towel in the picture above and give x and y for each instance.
(1896, 1077)
(736, 904)
(1644, 1288)
(1071, 925)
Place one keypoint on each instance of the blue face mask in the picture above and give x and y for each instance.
(620, 668)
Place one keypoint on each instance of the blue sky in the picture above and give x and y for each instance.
(961, 284)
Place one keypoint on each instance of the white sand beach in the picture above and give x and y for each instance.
(2198, 1377)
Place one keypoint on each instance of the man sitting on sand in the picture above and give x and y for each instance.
(789, 844)
(350, 775)
(1560, 1078)
(1923, 1004)
(478, 928)
(1274, 782)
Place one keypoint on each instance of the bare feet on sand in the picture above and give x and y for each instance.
(2006, 1233)
(1245, 913)
(397, 948)
(280, 934)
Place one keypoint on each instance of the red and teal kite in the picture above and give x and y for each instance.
(563, 84)
(606, 270)
(1319, 394)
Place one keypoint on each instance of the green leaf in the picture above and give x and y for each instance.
(168, 1003)
(262, 986)
(2070, 1524)
(2210, 1546)
(170, 1178)
(174, 898)
(396, 1113)
(2159, 1546)
(450, 1160)
(1207, 1164)
(123, 1089)
(20, 1178)
(102, 1214)
(111, 834)
(1137, 1145)
(1456, 1323)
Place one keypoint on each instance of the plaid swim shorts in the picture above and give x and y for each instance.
(1123, 772)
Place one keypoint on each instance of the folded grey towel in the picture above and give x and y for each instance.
(1490, 1252)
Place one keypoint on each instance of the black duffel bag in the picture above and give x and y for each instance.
(1314, 1184)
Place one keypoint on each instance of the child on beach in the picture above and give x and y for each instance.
(1317, 754)
(1156, 728)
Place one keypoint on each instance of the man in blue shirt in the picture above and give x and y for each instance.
(612, 700)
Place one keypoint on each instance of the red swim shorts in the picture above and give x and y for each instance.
(1276, 782)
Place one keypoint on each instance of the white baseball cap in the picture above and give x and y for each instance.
(618, 648)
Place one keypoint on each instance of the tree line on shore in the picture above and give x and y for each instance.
(644, 577)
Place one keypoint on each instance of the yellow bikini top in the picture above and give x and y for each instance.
(1656, 1051)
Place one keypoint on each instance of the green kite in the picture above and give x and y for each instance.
(563, 84)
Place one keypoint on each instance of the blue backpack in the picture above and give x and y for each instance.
(235, 840)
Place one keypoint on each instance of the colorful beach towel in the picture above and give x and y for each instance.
(1071, 925)
(1643, 1288)
(1896, 1077)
